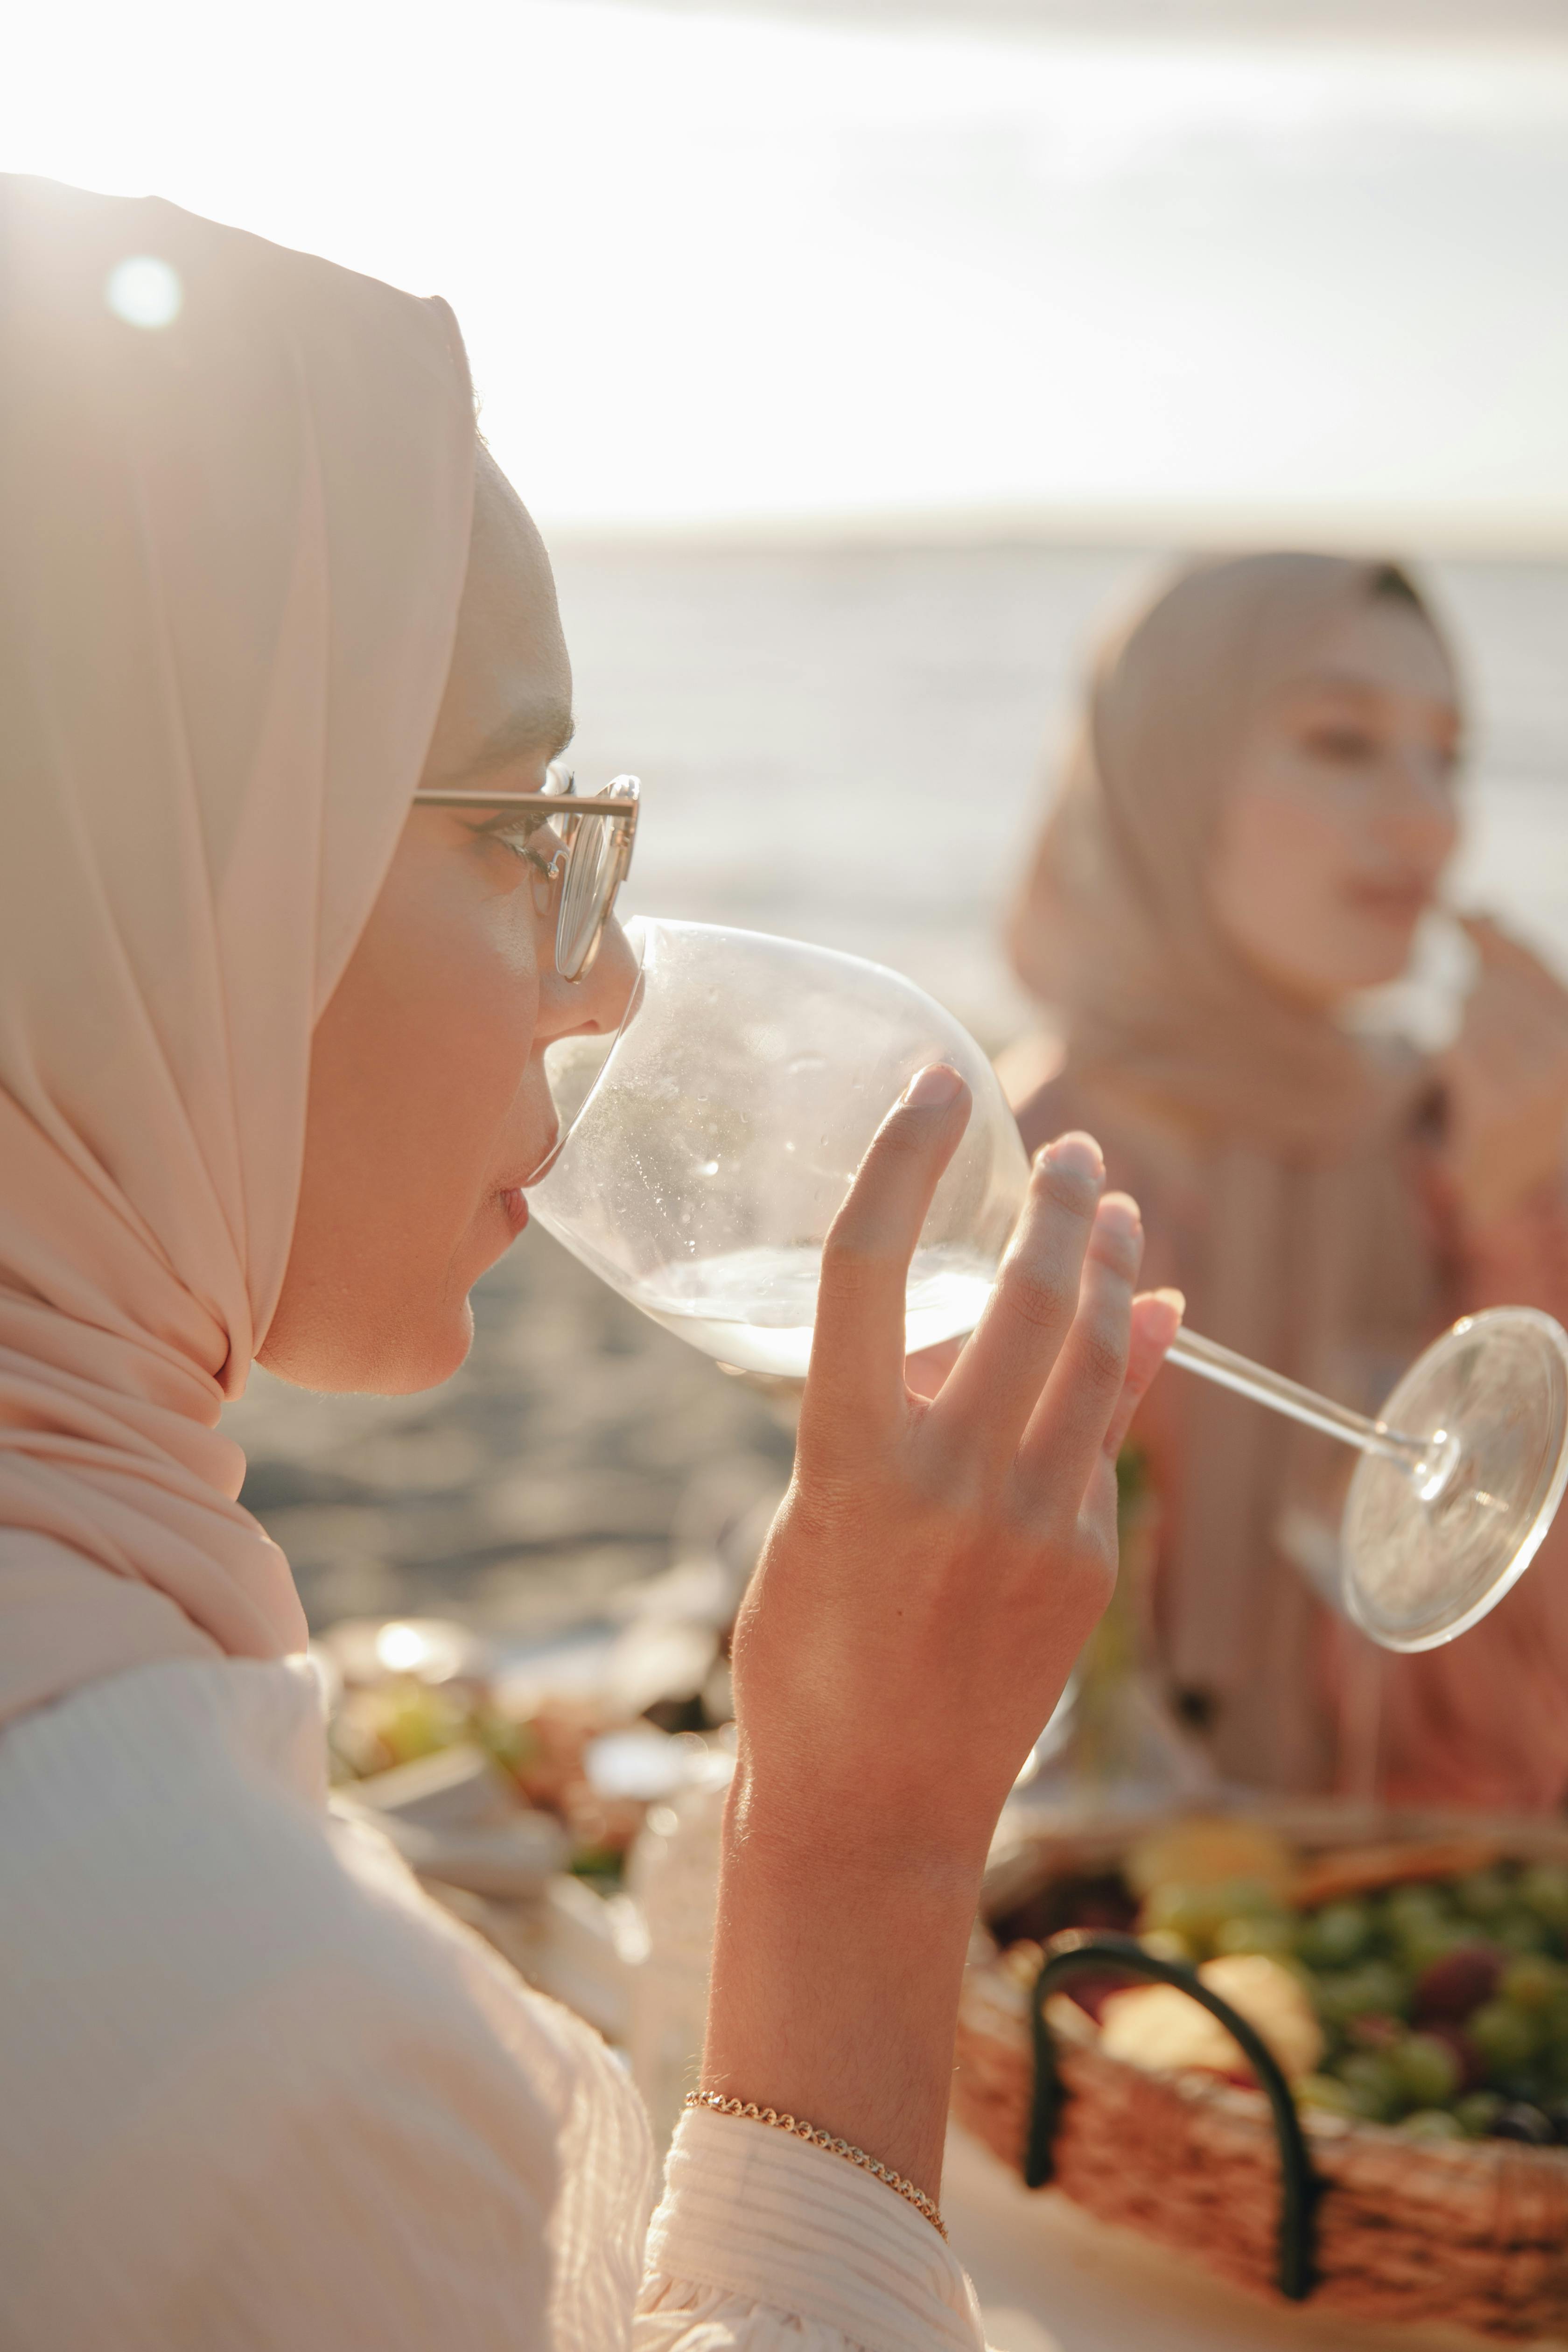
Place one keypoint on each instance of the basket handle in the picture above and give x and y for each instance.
(1080, 1953)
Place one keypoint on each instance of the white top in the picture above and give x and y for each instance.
(256, 2090)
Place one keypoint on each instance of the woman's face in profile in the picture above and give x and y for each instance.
(428, 1108)
(1333, 841)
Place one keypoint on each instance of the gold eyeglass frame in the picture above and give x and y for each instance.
(619, 804)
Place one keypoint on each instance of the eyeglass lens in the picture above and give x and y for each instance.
(590, 878)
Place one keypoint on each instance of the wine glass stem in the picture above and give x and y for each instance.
(1229, 1370)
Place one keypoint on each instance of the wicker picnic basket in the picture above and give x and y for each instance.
(1360, 2218)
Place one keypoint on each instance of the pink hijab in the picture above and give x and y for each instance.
(1269, 1148)
(232, 548)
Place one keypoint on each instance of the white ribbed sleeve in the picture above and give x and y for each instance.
(783, 2244)
(257, 2094)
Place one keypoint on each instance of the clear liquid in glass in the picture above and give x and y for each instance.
(754, 1309)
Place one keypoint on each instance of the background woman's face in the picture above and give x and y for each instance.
(428, 1108)
(1336, 835)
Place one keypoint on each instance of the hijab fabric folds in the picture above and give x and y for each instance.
(1267, 1144)
(232, 547)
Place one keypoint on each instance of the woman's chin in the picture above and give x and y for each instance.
(400, 1355)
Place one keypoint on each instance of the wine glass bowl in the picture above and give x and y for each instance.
(1429, 1547)
(708, 1147)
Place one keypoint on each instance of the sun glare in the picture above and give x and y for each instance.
(717, 268)
(144, 291)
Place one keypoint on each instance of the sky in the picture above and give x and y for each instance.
(731, 272)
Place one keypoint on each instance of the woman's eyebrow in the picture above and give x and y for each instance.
(1344, 687)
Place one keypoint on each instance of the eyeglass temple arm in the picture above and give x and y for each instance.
(556, 803)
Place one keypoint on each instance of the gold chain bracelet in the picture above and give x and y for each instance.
(815, 2138)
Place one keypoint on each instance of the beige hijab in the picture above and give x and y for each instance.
(1268, 1145)
(231, 552)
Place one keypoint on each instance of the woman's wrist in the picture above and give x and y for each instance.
(808, 1834)
(838, 1965)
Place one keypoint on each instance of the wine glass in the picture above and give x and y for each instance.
(707, 1147)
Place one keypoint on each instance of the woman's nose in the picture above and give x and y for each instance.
(1419, 795)
(596, 1003)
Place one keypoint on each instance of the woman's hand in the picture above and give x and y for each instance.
(1506, 1082)
(925, 1590)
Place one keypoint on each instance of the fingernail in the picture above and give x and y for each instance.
(1177, 1299)
(1119, 1214)
(1079, 1152)
(931, 1088)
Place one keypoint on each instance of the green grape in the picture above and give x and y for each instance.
(1518, 1930)
(1323, 2091)
(1421, 1952)
(1164, 1944)
(1544, 1888)
(1428, 2069)
(1240, 1898)
(1433, 2123)
(1335, 1936)
(1174, 1907)
(1477, 2112)
(1372, 2076)
(1534, 1982)
(1376, 1987)
(1484, 1894)
(1270, 1932)
(1506, 2038)
(1414, 1911)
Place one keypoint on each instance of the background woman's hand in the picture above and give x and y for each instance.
(1506, 1081)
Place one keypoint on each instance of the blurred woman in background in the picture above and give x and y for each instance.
(1260, 810)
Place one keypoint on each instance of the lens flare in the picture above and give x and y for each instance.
(144, 291)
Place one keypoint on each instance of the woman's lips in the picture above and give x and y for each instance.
(514, 1206)
(1391, 902)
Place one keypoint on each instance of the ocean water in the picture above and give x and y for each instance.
(853, 744)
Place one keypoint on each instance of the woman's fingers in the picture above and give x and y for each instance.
(1156, 1319)
(925, 1373)
(989, 1395)
(858, 1346)
(1068, 1428)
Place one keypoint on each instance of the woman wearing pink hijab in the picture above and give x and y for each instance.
(1260, 806)
(270, 1088)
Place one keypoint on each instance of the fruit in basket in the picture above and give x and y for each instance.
(1483, 1894)
(1466, 2057)
(1521, 2120)
(1273, 1932)
(1432, 1976)
(1328, 2093)
(1375, 1989)
(1203, 1852)
(1535, 1982)
(1432, 2123)
(1518, 1930)
(1413, 1914)
(1543, 1889)
(1478, 2111)
(1336, 1935)
(1506, 2036)
(1159, 2027)
(1456, 1985)
(1429, 2071)
(1372, 2079)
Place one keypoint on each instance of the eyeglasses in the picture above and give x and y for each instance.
(581, 864)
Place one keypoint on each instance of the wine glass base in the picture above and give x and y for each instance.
(1427, 1554)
